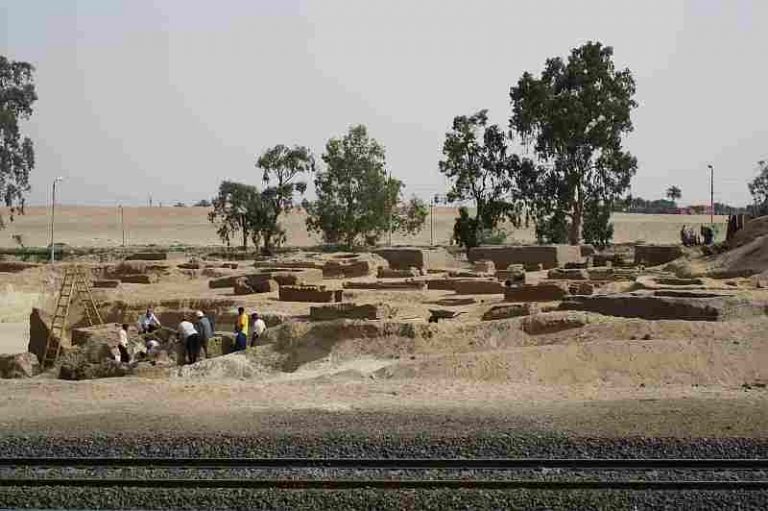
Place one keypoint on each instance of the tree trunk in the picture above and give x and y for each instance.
(574, 236)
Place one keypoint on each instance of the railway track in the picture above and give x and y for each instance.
(421, 474)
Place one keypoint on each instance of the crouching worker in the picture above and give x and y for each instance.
(241, 330)
(191, 340)
(148, 322)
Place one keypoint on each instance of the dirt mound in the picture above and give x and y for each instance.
(258, 362)
(632, 363)
(753, 229)
(746, 259)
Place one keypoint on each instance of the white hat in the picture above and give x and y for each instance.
(199, 314)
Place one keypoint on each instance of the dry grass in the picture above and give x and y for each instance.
(90, 226)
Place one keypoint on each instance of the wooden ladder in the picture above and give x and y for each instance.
(77, 285)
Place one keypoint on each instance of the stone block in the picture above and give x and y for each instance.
(608, 273)
(548, 256)
(348, 268)
(402, 258)
(241, 287)
(654, 255)
(442, 284)
(106, 283)
(224, 282)
(147, 256)
(349, 311)
(483, 266)
(146, 278)
(478, 287)
(581, 288)
(405, 285)
(318, 294)
(510, 310)
(564, 274)
(536, 293)
(16, 266)
(389, 273)
(653, 307)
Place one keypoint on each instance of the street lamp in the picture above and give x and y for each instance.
(711, 194)
(122, 221)
(53, 212)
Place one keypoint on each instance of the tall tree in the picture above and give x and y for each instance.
(356, 202)
(481, 170)
(674, 193)
(575, 115)
(17, 155)
(281, 168)
(758, 188)
(239, 208)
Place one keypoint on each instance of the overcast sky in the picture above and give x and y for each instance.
(173, 96)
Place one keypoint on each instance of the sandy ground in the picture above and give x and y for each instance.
(86, 226)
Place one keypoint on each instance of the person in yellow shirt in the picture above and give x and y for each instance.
(241, 330)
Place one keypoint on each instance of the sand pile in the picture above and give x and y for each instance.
(745, 260)
(626, 363)
(259, 362)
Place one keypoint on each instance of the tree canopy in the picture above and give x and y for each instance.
(281, 166)
(574, 116)
(758, 188)
(674, 193)
(356, 201)
(239, 209)
(481, 170)
(17, 155)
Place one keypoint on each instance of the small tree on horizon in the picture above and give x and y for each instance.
(674, 193)
(238, 209)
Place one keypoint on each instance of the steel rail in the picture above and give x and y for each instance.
(379, 484)
(396, 463)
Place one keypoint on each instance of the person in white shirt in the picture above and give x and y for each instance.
(148, 322)
(122, 345)
(258, 327)
(191, 340)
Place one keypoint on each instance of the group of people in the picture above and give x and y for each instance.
(689, 237)
(195, 332)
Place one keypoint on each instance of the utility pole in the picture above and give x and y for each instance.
(711, 195)
(122, 221)
(391, 207)
(53, 215)
(432, 221)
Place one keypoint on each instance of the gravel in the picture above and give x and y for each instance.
(321, 437)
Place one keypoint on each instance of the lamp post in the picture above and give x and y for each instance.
(122, 221)
(53, 213)
(711, 194)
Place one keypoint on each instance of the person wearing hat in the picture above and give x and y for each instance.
(204, 330)
(258, 327)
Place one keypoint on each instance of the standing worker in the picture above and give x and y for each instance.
(122, 345)
(191, 340)
(258, 327)
(204, 330)
(241, 330)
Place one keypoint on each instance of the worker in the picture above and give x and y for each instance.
(241, 330)
(258, 327)
(204, 330)
(122, 345)
(153, 348)
(190, 338)
(148, 322)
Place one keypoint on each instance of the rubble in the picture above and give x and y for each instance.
(389, 273)
(19, 365)
(510, 310)
(567, 274)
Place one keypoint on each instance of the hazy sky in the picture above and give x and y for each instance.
(173, 96)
